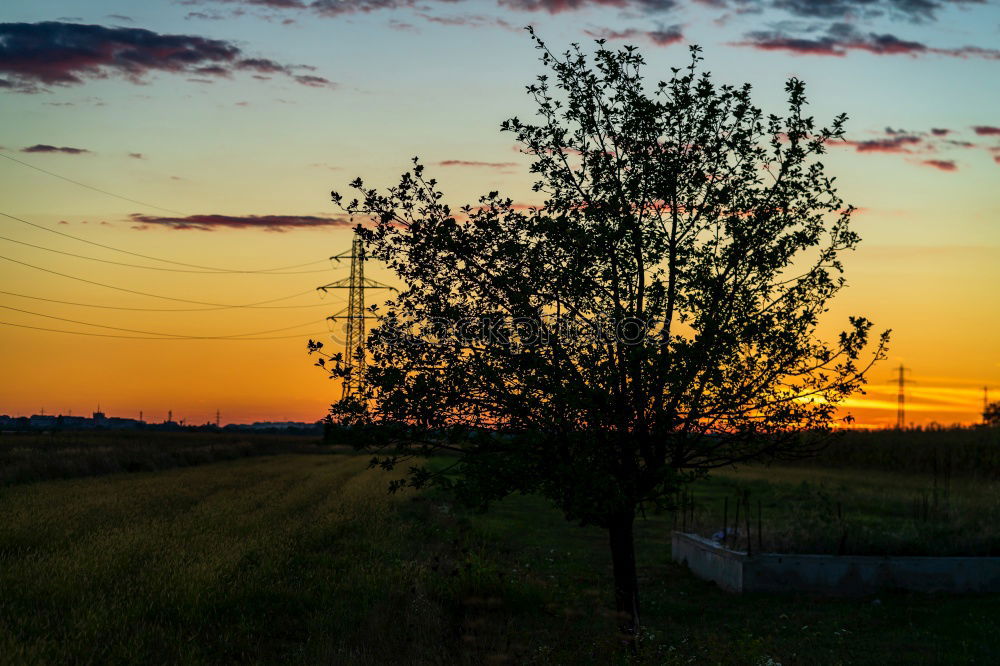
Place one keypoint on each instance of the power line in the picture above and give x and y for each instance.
(146, 256)
(220, 306)
(150, 268)
(136, 337)
(165, 335)
(91, 187)
(117, 307)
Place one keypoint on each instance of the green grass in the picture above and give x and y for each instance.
(860, 512)
(305, 559)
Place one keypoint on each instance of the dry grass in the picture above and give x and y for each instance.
(27, 457)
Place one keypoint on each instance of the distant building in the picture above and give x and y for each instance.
(100, 420)
(43, 421)
(75, 422)
(118, 423)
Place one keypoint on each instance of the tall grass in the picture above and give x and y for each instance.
(969, 452)
(848, 512)
(26, 457)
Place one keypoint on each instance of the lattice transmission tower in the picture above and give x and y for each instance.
(901, 397)
(354, 315)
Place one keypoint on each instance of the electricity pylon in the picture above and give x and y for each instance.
(901, 399)
(354, 350)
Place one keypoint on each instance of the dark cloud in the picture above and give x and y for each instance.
(942, 165)
(35, 55)
(929, 148)
(474, 163)
(469, 21)
(402, 26)
(843, 10)
(986, 130)
(264, 66)
(205, 16)
(558, 6)
(346, 7)
(665, 36)
(313, 81)
(262, 222)
(137, 156)
(662, 36)
(900, 143)
(46, 148)
(916, 10)
(121, 17)
(841, 38)
(340, 7)
(276, 4)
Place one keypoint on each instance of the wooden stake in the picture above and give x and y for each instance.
(736, 520)
(746, 499)
(760, 530)
(725, 519)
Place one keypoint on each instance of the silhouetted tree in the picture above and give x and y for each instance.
(654, 319)
(991, 415)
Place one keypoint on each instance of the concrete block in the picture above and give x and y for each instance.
(843, 575)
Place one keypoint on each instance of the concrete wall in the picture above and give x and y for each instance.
(734, 571)
(709, 560)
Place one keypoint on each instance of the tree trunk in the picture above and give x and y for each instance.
(626, 582)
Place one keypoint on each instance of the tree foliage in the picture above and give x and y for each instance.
(991, 415)
(654, 318)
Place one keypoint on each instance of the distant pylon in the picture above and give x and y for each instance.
(354, 352)
(901, 398)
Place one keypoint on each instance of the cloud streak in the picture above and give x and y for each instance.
(942, 165)
(927, 148)
(52, 53)
(559, 6)
(475, 163)
(916, 11)
(334, 8)
(892, 144)
(211, 222)
(46, 148)
(662, 36)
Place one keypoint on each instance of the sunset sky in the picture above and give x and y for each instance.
(209, 133)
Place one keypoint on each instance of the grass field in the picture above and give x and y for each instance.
(853, 512)
(38, 456)
(304, 559)
(965, 452)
